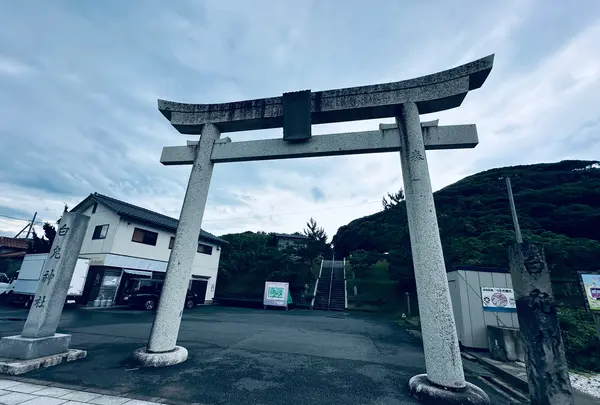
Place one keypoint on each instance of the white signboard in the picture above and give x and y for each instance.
(498, 299)
(276, 294)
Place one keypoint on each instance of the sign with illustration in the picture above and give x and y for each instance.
(498, 299)
(591, 286)
(276, 294)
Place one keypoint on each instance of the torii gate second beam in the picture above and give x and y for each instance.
(386, 139)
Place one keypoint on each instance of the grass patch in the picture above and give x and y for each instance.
(582, 346)
(381, 295)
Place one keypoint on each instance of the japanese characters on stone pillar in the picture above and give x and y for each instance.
(39, 337)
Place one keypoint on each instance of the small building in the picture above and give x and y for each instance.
(11, 246)
(284, 240)
(12, 252)
(482, 297)
(124, 241)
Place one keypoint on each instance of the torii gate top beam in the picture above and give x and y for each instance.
(432, 93)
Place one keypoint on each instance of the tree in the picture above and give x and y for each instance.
(314, 232)
(558, 205)
(316, 247)
(250, 259)
(362, 262)
(392, 199)
(43, 244)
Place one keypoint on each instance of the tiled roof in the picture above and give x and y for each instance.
(14, 242)
(144, 215)
(20, 253)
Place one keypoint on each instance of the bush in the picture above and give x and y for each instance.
(582, 346)
(385, 295)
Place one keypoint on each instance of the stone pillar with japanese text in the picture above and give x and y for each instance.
(39, 337)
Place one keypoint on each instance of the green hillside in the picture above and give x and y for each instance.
(558, 204)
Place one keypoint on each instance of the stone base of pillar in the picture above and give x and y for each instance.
(21, 348)
(18, 367)
(429, 393)
(164, 359)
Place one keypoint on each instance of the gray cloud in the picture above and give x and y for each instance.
(317, 194)
(79, 83)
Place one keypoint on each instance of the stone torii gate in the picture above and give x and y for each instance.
(296, 112)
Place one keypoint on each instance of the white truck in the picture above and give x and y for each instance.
(5, 285)
(23, 288)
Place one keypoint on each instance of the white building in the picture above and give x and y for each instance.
(124, 241)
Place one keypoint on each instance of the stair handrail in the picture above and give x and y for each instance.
(345, 285)
(312, 303)
(330, 284)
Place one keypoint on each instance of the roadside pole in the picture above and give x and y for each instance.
(513, 211)
(545, 361)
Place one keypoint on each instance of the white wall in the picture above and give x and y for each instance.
(102, 216)
(125, 246)
(203, 265)
(471, 319)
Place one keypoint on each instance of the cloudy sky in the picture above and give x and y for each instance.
(79, 82)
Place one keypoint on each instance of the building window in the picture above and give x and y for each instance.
(100, 232)
(144, 236)
(94, 208)
(206, 249)
(171, 242)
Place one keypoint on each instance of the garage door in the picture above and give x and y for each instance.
(199, 287)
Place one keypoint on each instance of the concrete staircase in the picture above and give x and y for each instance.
(323, 285)
(338, 288)
(331, 287)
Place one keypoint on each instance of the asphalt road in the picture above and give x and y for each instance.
(245, 356)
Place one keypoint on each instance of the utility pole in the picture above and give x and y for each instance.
(513, 211)
(31, 225)
(545, 360)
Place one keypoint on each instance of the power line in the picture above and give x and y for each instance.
(239, 218)
(22, 219)
(292, 213)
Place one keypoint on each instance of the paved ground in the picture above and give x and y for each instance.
(22, 393)
(245, 356)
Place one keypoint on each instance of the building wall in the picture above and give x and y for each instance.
(208, 265)
(203, 265)
(284, 243)
(125, 246)
(102, 216)
(471, 319)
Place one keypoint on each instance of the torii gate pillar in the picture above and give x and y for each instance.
(444, 382)
(445, 379)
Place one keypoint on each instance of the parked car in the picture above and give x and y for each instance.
(145, 293)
